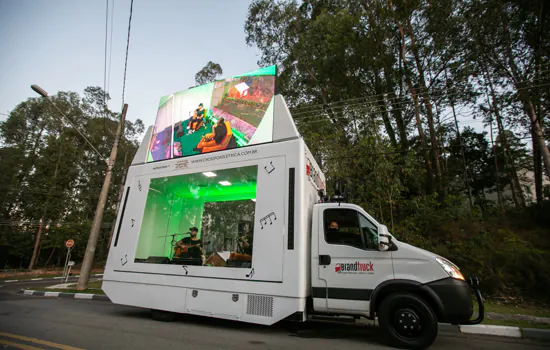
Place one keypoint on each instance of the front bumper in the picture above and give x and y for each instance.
(456, 299)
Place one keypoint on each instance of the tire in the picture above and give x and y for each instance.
(164, 316)
(407, 321)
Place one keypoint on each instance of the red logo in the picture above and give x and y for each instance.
(356, 267)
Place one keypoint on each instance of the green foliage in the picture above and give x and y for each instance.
(50, 176)
(208, 73)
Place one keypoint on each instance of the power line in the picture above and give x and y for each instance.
(127, 47)
(321, 118)
(372, 99)
(110, 48)
(105, 69)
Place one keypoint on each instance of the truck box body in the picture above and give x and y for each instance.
(165, 198)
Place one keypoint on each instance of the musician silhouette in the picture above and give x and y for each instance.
(191, 246)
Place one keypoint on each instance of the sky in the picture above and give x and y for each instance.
(60, 46)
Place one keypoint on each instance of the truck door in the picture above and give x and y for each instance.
(350, 264)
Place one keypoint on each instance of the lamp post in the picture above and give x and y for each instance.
(88, 260)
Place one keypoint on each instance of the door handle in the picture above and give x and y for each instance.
(324, 259)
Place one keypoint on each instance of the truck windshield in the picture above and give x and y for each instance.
(200, 219)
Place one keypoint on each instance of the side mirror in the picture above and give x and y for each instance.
(384, 239)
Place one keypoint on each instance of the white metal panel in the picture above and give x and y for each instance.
(286, 278)
(348, 290)
(412, 263)
(214, 304)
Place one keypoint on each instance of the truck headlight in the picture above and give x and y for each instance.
(450, 268)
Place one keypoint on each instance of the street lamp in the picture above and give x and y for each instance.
(44, 94)
(88, 260)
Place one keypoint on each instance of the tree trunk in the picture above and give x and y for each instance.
(384, 110)
(429, 113)
(430, 186)
(49, 257)
(537, 131)
(521, 88)
(45, 210)
(517, 193)
(537, 168)
(396, 111)
(497, 173)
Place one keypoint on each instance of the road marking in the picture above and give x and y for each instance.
(37, 341)
(17, 345)
(36, 279)
(51, 294)
(11, 281)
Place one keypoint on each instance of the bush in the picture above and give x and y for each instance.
(509, 251)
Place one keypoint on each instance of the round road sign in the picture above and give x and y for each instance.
(69, 243)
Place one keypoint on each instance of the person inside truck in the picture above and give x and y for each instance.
(191, 247)
(346, 235)
(219, 131)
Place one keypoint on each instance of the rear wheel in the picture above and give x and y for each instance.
(164, 316)
(408, 321)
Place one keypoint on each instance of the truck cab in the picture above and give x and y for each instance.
(358, 268)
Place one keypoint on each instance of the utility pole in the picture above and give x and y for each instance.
(96, 224)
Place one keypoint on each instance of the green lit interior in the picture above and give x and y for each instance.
(176, 203)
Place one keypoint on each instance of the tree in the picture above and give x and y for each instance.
(51, 176)
(208, 73)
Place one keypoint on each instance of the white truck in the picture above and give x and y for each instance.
(272, 246)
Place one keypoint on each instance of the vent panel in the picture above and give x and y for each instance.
(259, 305)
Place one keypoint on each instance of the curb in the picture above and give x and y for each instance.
(65, 295)
(46, 278)
(492, 330)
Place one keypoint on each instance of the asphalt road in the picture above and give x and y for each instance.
(28, 322)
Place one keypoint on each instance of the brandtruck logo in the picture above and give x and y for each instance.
(356, 267)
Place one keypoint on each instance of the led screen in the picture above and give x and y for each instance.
(229, 113)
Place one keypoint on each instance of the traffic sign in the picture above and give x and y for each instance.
(71, 263)
(69, 243)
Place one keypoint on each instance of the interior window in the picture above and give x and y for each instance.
(342, 227)
(370, 232)
(204, 219)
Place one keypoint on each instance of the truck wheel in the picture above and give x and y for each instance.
(408, 321)
(164, 316)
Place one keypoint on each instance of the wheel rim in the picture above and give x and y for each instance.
(407, 323)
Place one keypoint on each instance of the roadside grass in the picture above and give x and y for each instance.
(516, 323)
(515, 309)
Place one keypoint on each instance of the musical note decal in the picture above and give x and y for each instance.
(124, 260)
(272, 168)
(185, 268)
(250, 274)
(139, 186)
(133, 222)
(265, 218)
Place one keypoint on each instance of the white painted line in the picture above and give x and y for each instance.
(36, 279)
(58, 277)
(51, 294)
(504, 331)
(83, 296)
(98, 274)
(28, 292)
(11, 281)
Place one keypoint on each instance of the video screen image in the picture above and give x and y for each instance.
(202, 219)
(229, 113)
